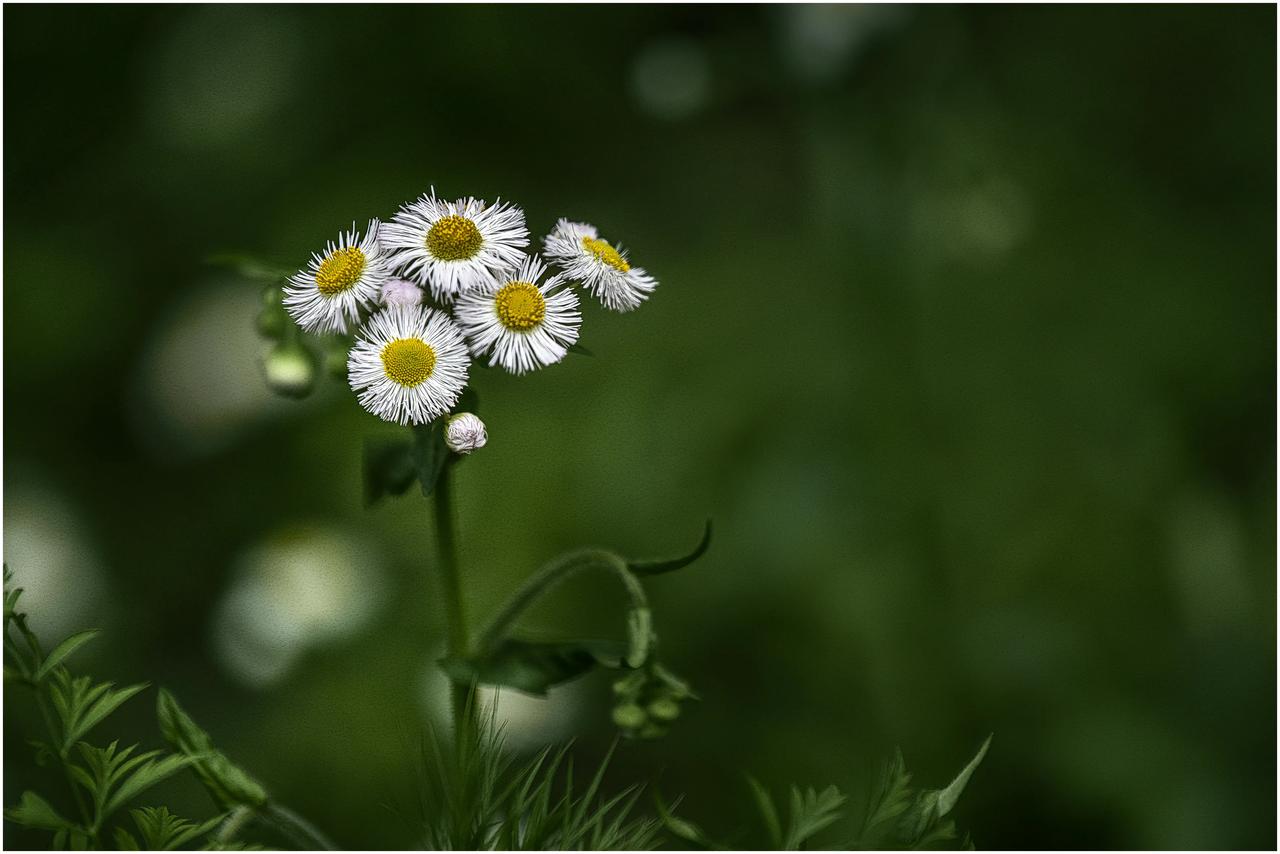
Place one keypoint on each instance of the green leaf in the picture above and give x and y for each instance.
(922, 825)
(226, 782)
(125, 840)
(62, 650)
(658, 567)
(10, 601)
(83, 777)
(389, 468)
(947, 797)
(163, 831)
(811, 812)
(148, 774)
(889, 801)
(682, 828)
(86, 717)
(34, 811)
(248, 266)
(900, 816)
(533, 667)
(768, 812)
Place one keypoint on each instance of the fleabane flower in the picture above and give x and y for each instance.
(578, 250)
(408, 365)
(327, 296)
(452, 247)
(464, 433)
(401, 292)
(519, 323)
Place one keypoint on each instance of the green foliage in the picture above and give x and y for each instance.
(103, 780)
(226, 782)
(34, 811)
(161, 830)
(62, 651)
(897, 816)
(476, 798)
(811, 812)
(81, 705)
(114, 776)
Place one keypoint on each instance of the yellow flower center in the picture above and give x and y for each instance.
(454, 238)
(520, 306)
(408, 361)
(340, 271)
(606, 253)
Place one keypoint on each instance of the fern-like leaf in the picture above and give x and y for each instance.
(811, 812)
(161, 830)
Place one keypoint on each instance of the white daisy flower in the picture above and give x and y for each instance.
(409, 364)
(401, 292)
(521, 324)
(603, 269)
(328, 295)
(453, 247)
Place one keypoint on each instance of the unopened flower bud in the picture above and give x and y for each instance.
(665, 709)
(629, 716)
(401, 292)
(651, 730)
(290, 370)
(629, 685)
(464, 433)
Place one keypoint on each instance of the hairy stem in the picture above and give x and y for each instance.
(234, 823)
(552, 574)
(459, 640)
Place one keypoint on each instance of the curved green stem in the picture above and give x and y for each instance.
(552, 574)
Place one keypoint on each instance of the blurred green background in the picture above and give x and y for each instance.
(965, 339)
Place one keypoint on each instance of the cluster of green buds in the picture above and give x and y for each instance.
(648, 700)
(291, 367)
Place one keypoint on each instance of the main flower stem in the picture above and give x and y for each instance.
(463, 697)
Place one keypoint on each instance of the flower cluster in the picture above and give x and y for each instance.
(648, 700)
(444, 282)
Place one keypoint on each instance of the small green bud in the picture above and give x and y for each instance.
(290, 370)
(630, 684)
(651, 730)
(629, 716)
(665, 709)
